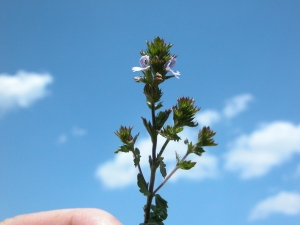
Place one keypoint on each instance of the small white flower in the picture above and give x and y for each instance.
(170, 64)
(144, 62)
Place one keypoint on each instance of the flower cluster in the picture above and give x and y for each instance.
(145, 65)
(156, 61)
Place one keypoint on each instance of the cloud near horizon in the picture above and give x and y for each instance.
(287, 203)
(255, 154)
(22, 89)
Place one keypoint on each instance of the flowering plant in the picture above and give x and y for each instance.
(156, 62)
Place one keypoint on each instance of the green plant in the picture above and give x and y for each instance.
(156, 62)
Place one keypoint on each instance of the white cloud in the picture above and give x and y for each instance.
(256, 154)
(62, 139)
(22, 89)
(297, 173)
(206, 167)
(236, 105)
(120, 171)
(233, 107)
(75, 132)
(208, 117)
(287, 203)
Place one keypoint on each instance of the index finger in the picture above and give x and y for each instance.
(86, 216)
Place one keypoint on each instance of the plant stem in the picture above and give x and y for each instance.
(170, 175)
(153, 166)
(139, 166)
(166, 179)
(163, 148)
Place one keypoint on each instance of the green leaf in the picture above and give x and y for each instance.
(186, 165)
(162, 205)
(142, 185)
(158, 106)
(161, 118)
(148, 126)
(124, 148)
(177, 158)
(137, 157)
(134, 139)
(162, 168)
(171, 133)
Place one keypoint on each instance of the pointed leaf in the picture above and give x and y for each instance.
(137, 157)
(161, 118)
(177, 158)
(162, 205)
(142, 185)
(148, 126)
(186, 165)
(124, 148)
(162, 168)
(158, 106)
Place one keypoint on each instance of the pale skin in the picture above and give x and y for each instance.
(84, 216)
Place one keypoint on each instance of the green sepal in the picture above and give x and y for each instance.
(198, 150)
(205, 137)
(186, 165)
(137, 157)
(142, 185)
(184, 112)
(124, 134)
(153, 93)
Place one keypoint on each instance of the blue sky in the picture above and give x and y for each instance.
(66, 85)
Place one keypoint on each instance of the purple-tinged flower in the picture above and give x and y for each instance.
(170, 64)
(144, 62)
